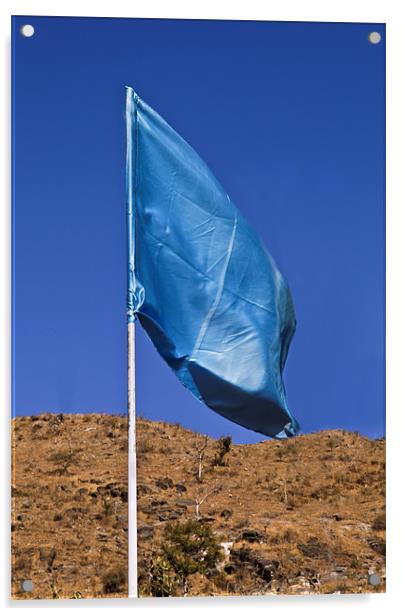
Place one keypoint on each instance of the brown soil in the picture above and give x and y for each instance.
(305, 515)
(298, 516)
(69, 496)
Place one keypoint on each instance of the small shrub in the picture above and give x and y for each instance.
(114, 580)
(161, 579)
(62, 460)
(76, 595)
(224, 444)
(54, 589)
(190, 547)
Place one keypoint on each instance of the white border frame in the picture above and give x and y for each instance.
(380, 11)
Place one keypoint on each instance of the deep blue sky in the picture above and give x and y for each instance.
(290, 118)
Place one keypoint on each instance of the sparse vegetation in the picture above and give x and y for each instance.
(160, 581)
(114, 580)
(320, 530)
(190, 547)
(223, 447)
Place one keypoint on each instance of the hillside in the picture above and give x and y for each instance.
(301, 516)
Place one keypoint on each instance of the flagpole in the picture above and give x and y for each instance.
(132, 465)
(131, 410)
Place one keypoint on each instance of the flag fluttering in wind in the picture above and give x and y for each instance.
(200, 281)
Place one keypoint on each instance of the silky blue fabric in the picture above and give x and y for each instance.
(200, 281)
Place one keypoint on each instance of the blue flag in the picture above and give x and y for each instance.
(200, 281)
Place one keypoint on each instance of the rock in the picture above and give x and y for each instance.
(252, 536)
(122, 518)
(301, 582)
(300, 590)
(174, 515)
(180, 487)
(182, 504)
(377, 544)
(314, 549)
(124, 495)
(158, 503)
(165, 509)
(332, 576)
(266, 569)
(207, 518)
(226, 547)
(229, 569)
(185, 502)
(145, 532)
(226, 513)
(263, 567)
(27, 504)
(142, 488)
(164, 484)
(118, 491)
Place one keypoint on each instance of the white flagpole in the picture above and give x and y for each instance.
(132, 466)
(132, 459)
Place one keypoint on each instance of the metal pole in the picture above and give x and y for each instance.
(132, 460)
(132, 466)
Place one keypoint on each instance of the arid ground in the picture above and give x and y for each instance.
(300, 516)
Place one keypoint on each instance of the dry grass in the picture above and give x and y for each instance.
(69, 497)
(315, 502)
(301, 516)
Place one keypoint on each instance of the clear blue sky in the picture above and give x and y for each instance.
(290, 118)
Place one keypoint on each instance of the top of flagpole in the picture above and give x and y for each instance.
(135, 292)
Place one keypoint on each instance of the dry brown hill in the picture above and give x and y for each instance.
(300, 516)
(69, 500)
(303, 515)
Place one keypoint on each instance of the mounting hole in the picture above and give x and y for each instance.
(374, 38)
(27, 30)
(27, 585)
(374, 579)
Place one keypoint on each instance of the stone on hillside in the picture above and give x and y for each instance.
(185, 502)
(315, 549)
(164, 484)
(180, 487)
(145, 532)
(252, 536)
(377, 544)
